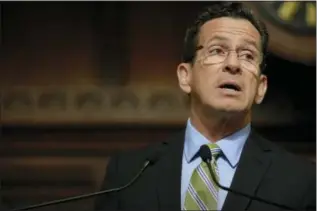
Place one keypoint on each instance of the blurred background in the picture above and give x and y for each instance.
(80, 81)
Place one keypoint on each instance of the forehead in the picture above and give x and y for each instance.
(230, 28)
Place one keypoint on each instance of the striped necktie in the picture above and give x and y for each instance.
(202, 192)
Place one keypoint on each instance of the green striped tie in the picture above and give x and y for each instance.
(202, 192)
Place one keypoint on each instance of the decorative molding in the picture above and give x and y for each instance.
(93, 105)
(126, 105)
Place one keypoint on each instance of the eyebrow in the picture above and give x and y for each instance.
(217, 37)
(252, 43)
(221, 38)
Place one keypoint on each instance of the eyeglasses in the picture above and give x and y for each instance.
(215, 54)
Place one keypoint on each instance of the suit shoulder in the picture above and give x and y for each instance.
(289, 160)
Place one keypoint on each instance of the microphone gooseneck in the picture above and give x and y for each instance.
(152, 159)
(206, 156)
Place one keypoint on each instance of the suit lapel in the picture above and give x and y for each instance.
(253, 164)
(169, 175)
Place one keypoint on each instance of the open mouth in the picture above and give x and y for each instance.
(230, 86)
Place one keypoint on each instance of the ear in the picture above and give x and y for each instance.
(262, 87)
(184, 75)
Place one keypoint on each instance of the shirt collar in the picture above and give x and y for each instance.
(231, 146)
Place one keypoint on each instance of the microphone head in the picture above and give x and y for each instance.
(153, 159)
(154, 156)
(205, 153)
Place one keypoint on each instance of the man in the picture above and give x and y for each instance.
(221, 72)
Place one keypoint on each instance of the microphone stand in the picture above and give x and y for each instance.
(74, 198)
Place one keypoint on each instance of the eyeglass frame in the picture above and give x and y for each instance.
(200, 47)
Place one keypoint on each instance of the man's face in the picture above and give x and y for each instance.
(226, 74)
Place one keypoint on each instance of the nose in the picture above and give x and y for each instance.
(232, 64)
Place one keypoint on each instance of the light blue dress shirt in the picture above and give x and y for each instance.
(231, 147)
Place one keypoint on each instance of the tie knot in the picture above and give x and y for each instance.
(215, 150)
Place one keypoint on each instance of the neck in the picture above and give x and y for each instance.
(217, 125)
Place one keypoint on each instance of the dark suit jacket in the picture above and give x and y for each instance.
(264, 170)
(2, 207)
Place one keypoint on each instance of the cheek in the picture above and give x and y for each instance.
(252, 89)
(205, 84)
(205, 78)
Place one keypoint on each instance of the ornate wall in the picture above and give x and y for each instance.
(80, 81)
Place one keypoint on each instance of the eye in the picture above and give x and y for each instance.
(247, 56)
(216, 51)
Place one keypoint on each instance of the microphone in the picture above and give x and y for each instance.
(205, 155)
(151, 160)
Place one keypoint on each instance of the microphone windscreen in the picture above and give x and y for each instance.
(153, 157)
(205, 153)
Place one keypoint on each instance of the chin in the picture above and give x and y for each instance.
(229, 108)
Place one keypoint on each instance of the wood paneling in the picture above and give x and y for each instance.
(112, 39)
(47, 43)
(46, 163)
(65, 43)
